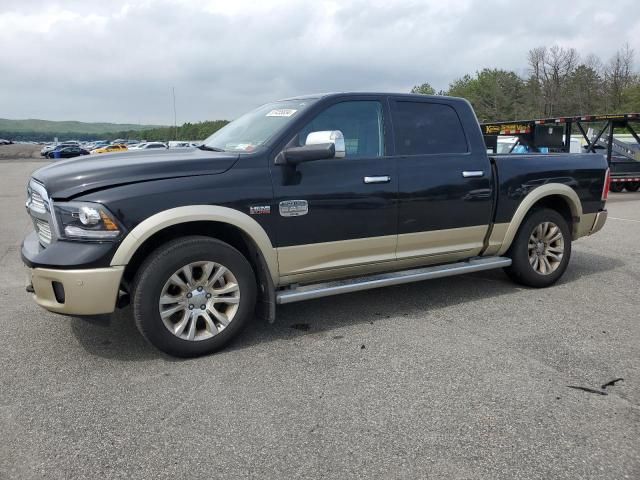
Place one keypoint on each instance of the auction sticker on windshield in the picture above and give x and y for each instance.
(282, 112)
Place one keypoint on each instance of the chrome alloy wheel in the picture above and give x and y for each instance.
(199, 300)
(546, 248)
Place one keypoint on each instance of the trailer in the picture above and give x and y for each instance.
(554, 135)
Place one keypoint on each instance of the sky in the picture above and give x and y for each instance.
(117, 61)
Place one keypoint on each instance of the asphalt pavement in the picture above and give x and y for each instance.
(464, 378)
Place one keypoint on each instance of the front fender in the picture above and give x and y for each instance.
(195, 213)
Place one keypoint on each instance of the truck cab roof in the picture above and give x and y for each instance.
(317, 96)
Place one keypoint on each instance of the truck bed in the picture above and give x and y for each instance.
(518, 174)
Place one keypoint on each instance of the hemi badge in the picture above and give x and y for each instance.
(260, 210)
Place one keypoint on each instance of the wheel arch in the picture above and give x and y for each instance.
(226, 224)
(557, 196)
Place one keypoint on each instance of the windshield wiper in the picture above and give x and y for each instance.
(210, 149)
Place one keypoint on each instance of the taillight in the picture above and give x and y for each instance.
(607, 184)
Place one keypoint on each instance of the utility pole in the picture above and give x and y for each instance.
(175, 122)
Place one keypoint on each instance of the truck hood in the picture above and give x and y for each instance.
(68, 178)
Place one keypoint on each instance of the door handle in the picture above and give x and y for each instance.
(377, 179)
(472, 173)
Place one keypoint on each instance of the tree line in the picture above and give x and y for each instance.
(559, 82)
(186, 131)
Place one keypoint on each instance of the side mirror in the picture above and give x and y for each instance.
(328, 136)
(308, 153)
(318, 146)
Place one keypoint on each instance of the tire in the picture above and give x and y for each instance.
(528, 265)
(632, 186)
(616, 187)
(196, 329)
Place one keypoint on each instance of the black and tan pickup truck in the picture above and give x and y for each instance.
(299, 199)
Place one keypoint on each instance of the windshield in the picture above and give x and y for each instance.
(254, 129)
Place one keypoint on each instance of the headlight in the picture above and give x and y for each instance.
(84, 220)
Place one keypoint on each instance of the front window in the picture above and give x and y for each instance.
(359, 121)
(254, 129)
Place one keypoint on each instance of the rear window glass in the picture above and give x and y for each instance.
(426, 128)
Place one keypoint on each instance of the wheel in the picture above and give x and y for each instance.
(616, 187)
(632, 186)
(541, 249)
(193, 295)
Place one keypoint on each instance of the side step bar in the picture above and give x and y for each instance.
(307, 292)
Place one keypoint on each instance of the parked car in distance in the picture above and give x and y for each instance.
(179, 144)
(67, 152)
(93, 145)
(149, 145)
(299, 199)
(51, 146)
(110, 149)
(46, 148)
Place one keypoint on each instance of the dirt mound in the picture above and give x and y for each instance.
(19, 151)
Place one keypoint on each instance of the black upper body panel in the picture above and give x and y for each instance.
(69, 178)
(66, 255)
(519, 174)
(247, 183)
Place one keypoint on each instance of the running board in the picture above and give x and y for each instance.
(307, 292)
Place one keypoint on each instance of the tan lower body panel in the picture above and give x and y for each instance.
(92, 291)
(302, 259)
(496, 238)
(371, 268)
(585, 225)
(600, 220)
(436, 242)
(348, 258)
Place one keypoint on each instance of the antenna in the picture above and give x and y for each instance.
(175, 123)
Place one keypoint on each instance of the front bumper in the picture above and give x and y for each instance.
(72, 278)
(91, 291)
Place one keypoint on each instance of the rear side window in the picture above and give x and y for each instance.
(423, 128)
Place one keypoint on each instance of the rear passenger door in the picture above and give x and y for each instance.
(445, 189)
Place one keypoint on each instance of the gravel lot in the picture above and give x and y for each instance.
(465, 377)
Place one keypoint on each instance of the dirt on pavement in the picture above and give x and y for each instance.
(18, 151)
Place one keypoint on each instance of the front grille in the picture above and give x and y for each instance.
(38, 206)
(44, 231)
(37, 203)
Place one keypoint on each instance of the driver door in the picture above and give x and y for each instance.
(345, 209)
